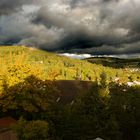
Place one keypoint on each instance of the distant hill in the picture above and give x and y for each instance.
(115, 62)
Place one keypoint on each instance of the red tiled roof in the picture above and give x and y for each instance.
(6, 122)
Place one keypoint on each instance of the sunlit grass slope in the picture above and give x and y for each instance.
(52, 66)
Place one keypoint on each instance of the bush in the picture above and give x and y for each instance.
(31, 130)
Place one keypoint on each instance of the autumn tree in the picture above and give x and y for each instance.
(32, 95)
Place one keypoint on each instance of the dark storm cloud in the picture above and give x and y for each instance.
(91, 26)
(10, 6)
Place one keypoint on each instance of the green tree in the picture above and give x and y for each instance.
(124, 107)
(103, 80)
(85, 120)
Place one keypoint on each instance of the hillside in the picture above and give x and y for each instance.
(115, 62)
(53, 66)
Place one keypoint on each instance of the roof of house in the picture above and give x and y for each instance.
(70, 89)
(6, 122)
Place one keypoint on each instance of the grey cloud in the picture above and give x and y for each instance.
(10, 6)
(111, 50)
(91, 26)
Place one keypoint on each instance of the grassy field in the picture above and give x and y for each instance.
(52, 66)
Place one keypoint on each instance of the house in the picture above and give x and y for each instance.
(98, 139)
(5, 129)
(133, 83)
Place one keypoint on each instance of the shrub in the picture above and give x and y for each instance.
(31, 130)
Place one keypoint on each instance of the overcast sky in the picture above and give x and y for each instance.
(74, 26)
